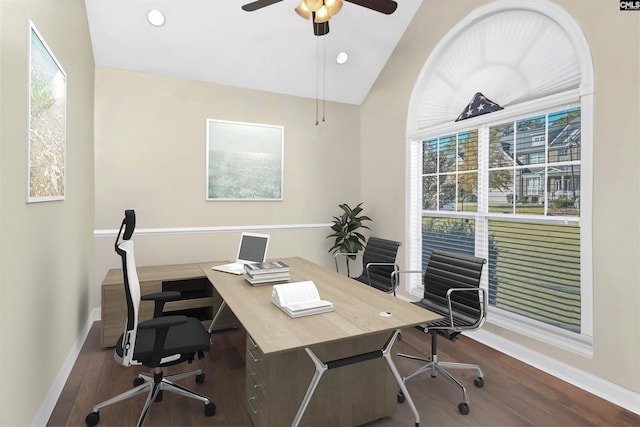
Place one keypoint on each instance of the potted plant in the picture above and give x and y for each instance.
(345, 230)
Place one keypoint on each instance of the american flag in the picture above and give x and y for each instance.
(478, 106)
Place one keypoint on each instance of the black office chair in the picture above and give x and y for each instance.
(451, 289)
(378, 264)
(162, 341)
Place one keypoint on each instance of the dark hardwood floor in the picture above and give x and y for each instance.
(514, 393)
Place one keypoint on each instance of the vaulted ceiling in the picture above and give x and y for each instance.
(270, 49)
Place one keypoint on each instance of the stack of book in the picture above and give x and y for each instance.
(266, 272)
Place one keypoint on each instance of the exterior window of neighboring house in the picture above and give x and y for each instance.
(537, 140)
(562, 154)
(512, 185)
(536, 157)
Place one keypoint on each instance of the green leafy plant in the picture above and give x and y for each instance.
(345, 231)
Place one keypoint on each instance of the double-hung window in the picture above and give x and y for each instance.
(509, 190)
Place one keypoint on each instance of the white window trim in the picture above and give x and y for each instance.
(582, 97)
(577, 343)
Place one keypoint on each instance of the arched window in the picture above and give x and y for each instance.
(500, 138)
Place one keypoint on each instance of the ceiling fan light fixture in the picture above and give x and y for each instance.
(322, 15)
(333, 6)
(313, 5)
(303, 10)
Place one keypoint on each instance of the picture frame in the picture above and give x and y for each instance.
(46, 169)
(245, 161)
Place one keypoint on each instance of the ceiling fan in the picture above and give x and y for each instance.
(320, 11)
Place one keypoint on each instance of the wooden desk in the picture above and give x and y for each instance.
(287, 357)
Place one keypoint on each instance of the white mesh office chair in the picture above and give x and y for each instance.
(156, 343)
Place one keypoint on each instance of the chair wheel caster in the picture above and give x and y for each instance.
(209, 409)
(463, 408)
(479, 382)
(138, 381)
(401, 397)
(92, 419)
(199, 378)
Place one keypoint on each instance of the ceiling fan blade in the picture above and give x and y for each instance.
(383, 6)
(258, 4)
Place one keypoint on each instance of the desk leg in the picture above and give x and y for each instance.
(386, 353)
(222, 306)
(320, 369)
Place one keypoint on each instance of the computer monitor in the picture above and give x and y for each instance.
(252, 248)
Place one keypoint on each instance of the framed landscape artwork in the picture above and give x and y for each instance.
(47, 123)
(244, 161)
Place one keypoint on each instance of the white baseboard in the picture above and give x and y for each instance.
(595, 385)
(48, 404)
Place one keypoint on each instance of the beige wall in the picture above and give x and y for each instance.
(614, 39)
(150, 156)
(45, 248)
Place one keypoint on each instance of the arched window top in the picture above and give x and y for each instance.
(511, 51)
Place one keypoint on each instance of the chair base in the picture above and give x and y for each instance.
(154, 385)
(435, 367)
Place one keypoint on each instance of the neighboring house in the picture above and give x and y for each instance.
(561, 157)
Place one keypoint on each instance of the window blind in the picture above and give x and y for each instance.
(447, 234)
(534, 271)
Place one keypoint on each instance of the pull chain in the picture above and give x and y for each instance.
(324, 78)
(317, 76)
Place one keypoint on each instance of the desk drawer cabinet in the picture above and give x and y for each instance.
(199, 298)
(257, 384)
(275, 386)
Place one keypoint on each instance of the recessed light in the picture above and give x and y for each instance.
(155, 18)
(342, 58)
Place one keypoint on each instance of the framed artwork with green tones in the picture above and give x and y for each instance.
(245, 161)
(47, 123)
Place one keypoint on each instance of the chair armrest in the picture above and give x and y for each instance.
(159, 298)
(164, 322)
(394, 278)
(483, 305)
(161, 325)
(395, 275)
(162, 296)
(483, 308)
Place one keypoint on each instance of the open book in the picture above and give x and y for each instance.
(299, 299)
